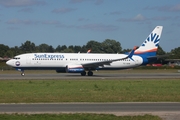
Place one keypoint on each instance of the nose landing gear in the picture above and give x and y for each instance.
(22, 72)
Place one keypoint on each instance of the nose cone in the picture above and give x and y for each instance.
(9, 62)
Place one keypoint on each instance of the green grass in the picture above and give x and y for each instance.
(144, 90)
(75, 117)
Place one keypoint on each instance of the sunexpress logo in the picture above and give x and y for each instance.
(49, 56)
(153, 38)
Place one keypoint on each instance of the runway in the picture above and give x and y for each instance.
(96, 76)
(89, 107)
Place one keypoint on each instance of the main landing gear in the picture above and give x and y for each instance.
(90, 73)
(83, 73)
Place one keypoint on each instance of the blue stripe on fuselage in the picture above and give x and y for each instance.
(145, 56)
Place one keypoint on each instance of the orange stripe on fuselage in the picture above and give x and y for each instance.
(140, 52)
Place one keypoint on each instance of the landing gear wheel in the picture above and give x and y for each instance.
(83, 73)
(90, 73)
(22, 74)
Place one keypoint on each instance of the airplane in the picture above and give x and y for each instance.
(82, 62)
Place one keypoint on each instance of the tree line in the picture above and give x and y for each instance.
(107, 46)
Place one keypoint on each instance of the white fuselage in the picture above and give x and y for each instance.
(61, 60)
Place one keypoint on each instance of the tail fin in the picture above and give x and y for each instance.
(150, 45)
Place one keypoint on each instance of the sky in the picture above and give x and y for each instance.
(75, 22)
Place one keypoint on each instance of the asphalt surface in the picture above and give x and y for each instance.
(96, 76)
(89, 107)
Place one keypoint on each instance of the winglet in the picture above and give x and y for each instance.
(89, 51)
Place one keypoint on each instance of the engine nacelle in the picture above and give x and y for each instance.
(74, 68)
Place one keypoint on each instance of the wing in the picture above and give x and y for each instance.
(94, 65)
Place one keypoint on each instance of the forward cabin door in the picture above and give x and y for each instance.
(28, 59)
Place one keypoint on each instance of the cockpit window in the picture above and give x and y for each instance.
(16, 58)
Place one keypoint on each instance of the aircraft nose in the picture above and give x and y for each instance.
(9, 62)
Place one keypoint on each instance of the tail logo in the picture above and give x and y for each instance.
(153, 38)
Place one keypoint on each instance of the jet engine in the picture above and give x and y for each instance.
(74, 69)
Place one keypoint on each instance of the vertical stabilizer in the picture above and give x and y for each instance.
(150, 45)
